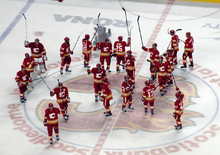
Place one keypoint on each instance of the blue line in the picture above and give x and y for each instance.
(15, 21)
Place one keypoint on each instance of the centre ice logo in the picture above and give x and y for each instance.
(94, 120)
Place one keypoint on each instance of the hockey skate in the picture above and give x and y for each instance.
(108, 114)
(61, 72)
(145, 110)
(65, 117)
(67, 70)
(123, 109)
(51, 141)
(161, 93)
(118, 71)
(184, 66)
(96, 98)
(23, 100)
(108, 70)
(105, 112)
(178, 127)
(191, 65)
(152, 112)
(130, 108)
(57, 138)
(165, 90)
(133, 86)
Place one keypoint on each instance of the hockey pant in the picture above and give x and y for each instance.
(151, 105)
(66, 61)
(22, 91)
(175, 56)
(178, 120)
(108, 61)
(162, 82)
(50, 130)
(63, 107)
(98, 89)
(106, 104)
(131, 74)
(152, 70)
(119, 60)
(87, 59)
(185, 55)
(41, 63)
(127, 99)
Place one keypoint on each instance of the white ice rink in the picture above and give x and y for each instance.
(88, 131)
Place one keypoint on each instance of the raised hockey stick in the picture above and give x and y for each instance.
(77, 41)
(126, 20)
(25, 25)
(140, 30)
(175, 32)
(97, 28)
(130, 37)
(43, 80)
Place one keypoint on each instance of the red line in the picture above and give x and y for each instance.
(117, 109)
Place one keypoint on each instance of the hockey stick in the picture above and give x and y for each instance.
(97, 28)
(140, 30)
(174, 80)
(43, 80)
(130, 37)
(40, 78)
(126, 19)
(175, 31)
(77, 41)
(25, 25)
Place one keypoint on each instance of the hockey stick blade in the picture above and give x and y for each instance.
(77, 41)
(138, 17)
(123, 8)
(179, 30)
(24, 16)
(148, 60)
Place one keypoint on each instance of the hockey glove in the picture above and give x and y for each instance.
(51, 93)
(68, 99)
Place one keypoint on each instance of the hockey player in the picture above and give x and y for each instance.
(127, 90)
(65, 55)
(188, 50)
(29, 63)
(22, 79)
(174, 45)
(105, 54)
(99, 74)
(119, 51)
(38, 53)
(148, 96)
(178, 104)
(170, 60)
(154, 58)
(63, 98)
(86, 50)
(130, 67)
(51, 121)
(162, 75)
(106, 96)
